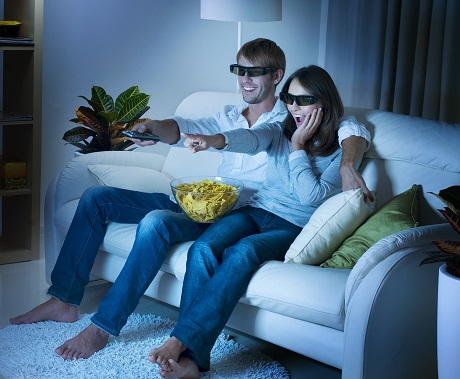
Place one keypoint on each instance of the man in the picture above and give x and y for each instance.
(161, 221)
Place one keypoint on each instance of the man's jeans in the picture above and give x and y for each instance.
(161, 222)
(219, 267)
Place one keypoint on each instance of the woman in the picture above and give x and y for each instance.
(303, 171)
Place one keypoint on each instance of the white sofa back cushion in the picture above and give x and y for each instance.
(181, 162)
(132, 178)
(204, 104)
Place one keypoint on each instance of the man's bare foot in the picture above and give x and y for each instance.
(171, 349)
(52, 309)
(185, 369)
(85, 344)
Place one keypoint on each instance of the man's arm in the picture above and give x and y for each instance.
(353, 149)
(167, 130)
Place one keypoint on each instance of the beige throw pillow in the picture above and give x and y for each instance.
(334, 221)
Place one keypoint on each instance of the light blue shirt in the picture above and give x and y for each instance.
(296, 184)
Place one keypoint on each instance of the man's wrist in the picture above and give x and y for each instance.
(218, 141)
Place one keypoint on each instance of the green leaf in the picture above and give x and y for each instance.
(83, 147)
(452, 218)
(110, 117)
(122, 145)
(140, 114)
(102, 102)
(449, 247)
(439, 256)
(133, 107)
(91, 103)
(77, 134)
(91, 119)
(451, 197)
(130, 125)
(124, 96)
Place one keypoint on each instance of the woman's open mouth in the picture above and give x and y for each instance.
(299, 119)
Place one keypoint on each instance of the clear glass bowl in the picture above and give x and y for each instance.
(206, 198)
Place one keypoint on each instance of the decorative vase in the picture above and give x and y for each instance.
(448, 325)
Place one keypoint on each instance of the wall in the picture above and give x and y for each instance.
(160, 45)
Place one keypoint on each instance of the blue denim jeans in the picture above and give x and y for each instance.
(219, 267)
(160, 223)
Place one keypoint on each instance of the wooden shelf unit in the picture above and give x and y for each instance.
(22, 93)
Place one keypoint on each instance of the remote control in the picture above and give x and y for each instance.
(141, 136)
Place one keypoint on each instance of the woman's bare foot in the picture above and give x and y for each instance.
(52, 310)
(85, 344)
(171, 349)
(184, 369)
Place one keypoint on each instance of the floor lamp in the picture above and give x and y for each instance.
(239, 11)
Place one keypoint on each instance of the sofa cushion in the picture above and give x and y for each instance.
(398, 214)
(334, 220)
(180, 259)
(294, 290)
(299, 291)
(131, 177)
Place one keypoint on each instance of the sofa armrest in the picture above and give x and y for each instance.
(406, 240)
(391, 308)
(75, 177)
(390, 324)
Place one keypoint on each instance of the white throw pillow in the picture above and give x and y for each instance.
(333, 222)
(131, 177)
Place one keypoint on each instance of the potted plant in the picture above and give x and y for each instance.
(448, 327)
(449, 251)
(105, 120)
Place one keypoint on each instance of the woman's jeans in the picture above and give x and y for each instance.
(161, 222)
(219, 267)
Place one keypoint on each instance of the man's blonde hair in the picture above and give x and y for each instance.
(264, 53)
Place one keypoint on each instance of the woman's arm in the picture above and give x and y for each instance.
(315, 180)
(250, 141)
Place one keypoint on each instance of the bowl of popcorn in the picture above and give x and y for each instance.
(206, 198)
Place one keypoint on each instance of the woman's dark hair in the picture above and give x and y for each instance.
(318, 83)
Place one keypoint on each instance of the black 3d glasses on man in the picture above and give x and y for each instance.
(252, 71)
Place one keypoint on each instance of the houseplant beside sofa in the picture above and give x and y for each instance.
(370, 320)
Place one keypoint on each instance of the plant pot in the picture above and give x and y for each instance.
(448, 325)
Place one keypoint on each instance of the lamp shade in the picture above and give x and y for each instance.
(241, 10)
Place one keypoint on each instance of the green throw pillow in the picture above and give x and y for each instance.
(398, 214)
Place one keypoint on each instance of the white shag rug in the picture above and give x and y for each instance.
(27, 351)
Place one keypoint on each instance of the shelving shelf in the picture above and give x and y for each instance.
(21, 139)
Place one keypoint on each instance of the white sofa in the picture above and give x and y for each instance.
(377, 320)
